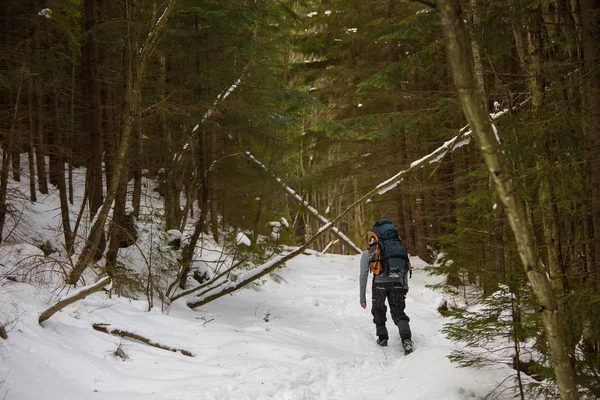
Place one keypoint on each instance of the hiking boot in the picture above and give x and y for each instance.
(408, 346)
(382, 341)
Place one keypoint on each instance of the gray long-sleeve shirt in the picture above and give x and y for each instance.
(364, 274)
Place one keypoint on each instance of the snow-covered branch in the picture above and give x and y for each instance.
(220, 98)
(73, 297)
(305, 204)
(463, 138)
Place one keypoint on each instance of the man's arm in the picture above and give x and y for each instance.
(363, 276)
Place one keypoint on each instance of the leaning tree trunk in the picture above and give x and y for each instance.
(123, 151)
(460, 60)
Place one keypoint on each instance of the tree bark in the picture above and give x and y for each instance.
(30, 151)
(59, 177)
(460, 60)
(39, 141)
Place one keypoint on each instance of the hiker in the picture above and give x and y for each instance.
(387, 258)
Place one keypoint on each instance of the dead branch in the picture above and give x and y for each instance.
(119, 332)
(78, 295)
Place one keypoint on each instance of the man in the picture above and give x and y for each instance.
(387, 284)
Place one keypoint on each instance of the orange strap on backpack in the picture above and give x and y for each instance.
(374, 255)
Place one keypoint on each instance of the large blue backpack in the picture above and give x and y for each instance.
(387, 254)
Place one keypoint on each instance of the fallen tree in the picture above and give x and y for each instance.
(79, 294)
(105, 328)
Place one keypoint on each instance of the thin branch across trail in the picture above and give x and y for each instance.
(72, 298)
(313, 211)
(105, 328)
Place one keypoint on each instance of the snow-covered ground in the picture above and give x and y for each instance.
(303, 338)
(300, 335)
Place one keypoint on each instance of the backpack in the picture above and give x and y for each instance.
(387, 254)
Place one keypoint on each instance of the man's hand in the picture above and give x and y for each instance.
(363, 305)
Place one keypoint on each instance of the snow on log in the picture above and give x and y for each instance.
(73, 297)
(105, 328)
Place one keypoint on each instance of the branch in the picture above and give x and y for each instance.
(78, 295)
(119, 332)
(291, 191)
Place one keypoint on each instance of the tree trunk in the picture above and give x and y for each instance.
(138, 158)
(460, 60)
(109, 134)
(30, 148)
(59, 177)
(39, 141)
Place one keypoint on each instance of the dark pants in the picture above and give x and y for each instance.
(394, 292)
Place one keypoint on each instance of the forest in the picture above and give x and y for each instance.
(296, 124)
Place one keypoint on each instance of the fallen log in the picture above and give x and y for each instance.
(78, 295)
(105, 328)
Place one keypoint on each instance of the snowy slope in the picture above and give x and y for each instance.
(304, 338)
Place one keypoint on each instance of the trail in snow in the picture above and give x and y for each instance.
(305, 338)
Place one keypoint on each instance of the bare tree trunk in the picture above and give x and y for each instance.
(93, 121)
(138, 160)
(212, 188)
(30, 148)
(72, 133)
(109, 134)
(6, 160)
(123, 151)
(59, 177)
(460, 59)
(16, 158)
(39, 141)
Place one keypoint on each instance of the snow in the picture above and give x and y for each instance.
(304, 338)
(45, 12)
(495, 129)
(241, 238)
